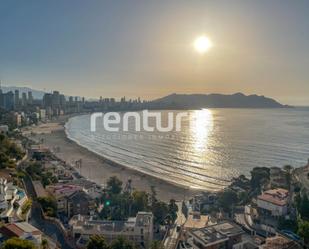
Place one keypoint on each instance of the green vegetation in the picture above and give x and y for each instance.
(26, 207)
(121, 243)
(9, 153)
(36, 171)
(156, 245)
(98, 242)
(303, 230)
(227, 200)
(44, 244)
(49, 206)
(259, 177)
(302, 204)
(16, 243)
(119, 205)
(287, 224)
(114, 186)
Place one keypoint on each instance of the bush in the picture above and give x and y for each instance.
(49, 206)
(16, 243)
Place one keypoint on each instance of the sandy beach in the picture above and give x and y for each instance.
(97, 168)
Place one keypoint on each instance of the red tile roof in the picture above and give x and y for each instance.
(277, 196)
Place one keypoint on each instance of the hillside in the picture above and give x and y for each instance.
(237, 100)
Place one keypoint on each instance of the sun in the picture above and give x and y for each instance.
(202, 44)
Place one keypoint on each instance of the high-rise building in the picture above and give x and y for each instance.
(47, 100)
(8, 100)
(56, 99)
(30, 98)
(16, 98)
(1, 99)
(24, 99)
(62, 101)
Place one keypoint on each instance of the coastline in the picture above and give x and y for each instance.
(98, 168)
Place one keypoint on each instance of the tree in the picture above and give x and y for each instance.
(140, 201)
(259, 176)
(114, 185)
(304, 207)
(242, 182)
(16, 243)
(160, 211)
(156, 245)
(121, 243)
(288, 171)
(97, 242)
(227, 199)
(303, 230)
(49, 206)
(173, 209)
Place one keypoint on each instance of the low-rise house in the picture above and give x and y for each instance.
(22, 230)
(202, 202)
(4, 128)
(79, 203)
(195, 220)
(12, 199)
(280, 242)
(137, 229)
(88, 187)
(223, 235)
(38, 152)
(60, 192)
(245, 245)
(274, 202)
(58, 170)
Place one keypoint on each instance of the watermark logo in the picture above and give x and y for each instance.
(113, 121)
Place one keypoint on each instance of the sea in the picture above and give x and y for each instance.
(212, 146)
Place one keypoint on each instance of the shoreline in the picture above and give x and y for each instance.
(99, 169)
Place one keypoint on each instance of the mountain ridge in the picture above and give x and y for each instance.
(216, 100)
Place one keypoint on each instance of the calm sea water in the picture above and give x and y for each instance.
(213, 146)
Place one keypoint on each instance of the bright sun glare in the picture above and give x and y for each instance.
(202, 44)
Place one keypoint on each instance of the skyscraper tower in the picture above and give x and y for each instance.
(24, 99)
(16, 98)
(30, 98)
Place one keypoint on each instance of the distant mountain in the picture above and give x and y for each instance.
(193, 101)
(37, 94)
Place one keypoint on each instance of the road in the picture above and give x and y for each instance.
(38, 221)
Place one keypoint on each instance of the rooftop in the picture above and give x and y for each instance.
(280, 242)
(278, 196)
(88, 223)
(216, 233)
(19, 229)
(196, 220)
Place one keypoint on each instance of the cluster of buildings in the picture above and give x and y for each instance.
(15, 209)
(252, 226)
(23, 109)
(14, 101)
(77, 209)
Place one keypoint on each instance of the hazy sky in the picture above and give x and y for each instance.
(144, 48)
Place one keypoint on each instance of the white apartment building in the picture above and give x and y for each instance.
(137, 229)
(274, 201)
